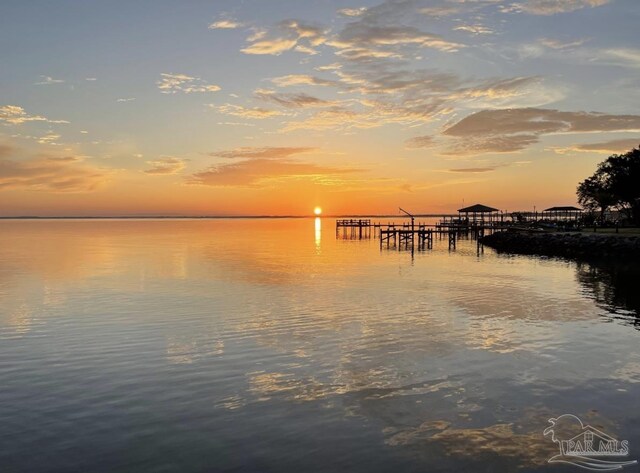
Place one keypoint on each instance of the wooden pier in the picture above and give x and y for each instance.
(351, 229)
(410, 235)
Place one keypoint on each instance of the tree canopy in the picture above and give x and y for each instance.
(615, 184)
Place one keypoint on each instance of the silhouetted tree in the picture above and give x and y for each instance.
(616, 183)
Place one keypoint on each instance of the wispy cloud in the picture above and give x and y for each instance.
(257, 113)
(352, 12)
(268, 152)
(262, 172)
(474, 29)
(225, 24)
(15, 115)
(301, 79)
(472, 170)
(611, 146)
(127, 99)
(165, 165)
(420, 142)
(174, 83)
(48, 173)
(285, 36)
(300, 100)
(48, 80)
(551, 7)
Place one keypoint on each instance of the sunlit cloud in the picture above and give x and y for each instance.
(15, 115)
(127, 99)
(47, 173)
(174, 83)
(352, 12)
(257, 113)
(260, 172)
(301, 79)
(49, 138)
(474, 29)
(165, 165)
(285, 36)
(225, 24)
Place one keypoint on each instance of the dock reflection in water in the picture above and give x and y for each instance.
(258, 345)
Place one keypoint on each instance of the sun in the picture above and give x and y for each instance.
(317, 211)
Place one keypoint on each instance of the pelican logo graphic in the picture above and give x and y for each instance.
(584, 446)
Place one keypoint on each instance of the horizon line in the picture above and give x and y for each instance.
(196, 217)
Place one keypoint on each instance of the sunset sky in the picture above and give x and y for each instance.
(245, 107)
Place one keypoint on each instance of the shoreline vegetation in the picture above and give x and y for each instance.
(590, 247)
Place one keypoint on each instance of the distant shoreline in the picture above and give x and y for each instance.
(212, 217)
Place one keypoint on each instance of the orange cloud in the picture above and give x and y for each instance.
(50, 174)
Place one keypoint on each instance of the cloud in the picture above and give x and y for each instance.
(15, 115)
(165, 165)
(440, 10)
(257, 113)
(259, 172)
(540, 121)
(248, 152)
(352, 12)
(65, 159)
(287, 35)
(50, 174)
(47, 80)
(551, 7)
(386, 31)
(420, 142)
(611, 146)
(492, 144)
(49, 138)
(510, 92)
(301, 79)
(626, 57)
(174, 83)
(474, 29)
(127, 99)
(225, 24)
(511, 130)
(472, 170)
(558, 44)
(373, 40)
(300, 100)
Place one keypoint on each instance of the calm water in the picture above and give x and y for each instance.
(270, 346)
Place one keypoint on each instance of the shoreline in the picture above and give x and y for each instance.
(576, 245)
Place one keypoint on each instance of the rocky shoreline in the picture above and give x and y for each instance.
(567, 245)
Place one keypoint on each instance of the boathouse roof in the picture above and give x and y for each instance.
(567, 208)
(477, 208)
